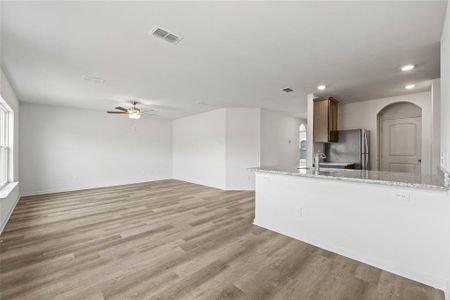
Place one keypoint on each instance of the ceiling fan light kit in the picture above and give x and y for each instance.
(134, 115)
(132, 112)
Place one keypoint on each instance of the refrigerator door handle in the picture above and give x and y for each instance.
(366, 143)
(366, 150)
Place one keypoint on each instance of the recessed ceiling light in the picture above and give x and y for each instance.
(410, 86)
(321, 87)
(407, 68)
(287, 90)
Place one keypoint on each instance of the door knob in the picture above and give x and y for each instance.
(420, 160)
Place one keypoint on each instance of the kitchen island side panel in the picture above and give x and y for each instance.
(402, 230)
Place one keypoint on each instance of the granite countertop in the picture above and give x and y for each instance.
(377, 177)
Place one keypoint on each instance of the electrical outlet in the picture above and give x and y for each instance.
(400, 195)
(299, 212)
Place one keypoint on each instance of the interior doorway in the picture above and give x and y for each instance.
(400, 138)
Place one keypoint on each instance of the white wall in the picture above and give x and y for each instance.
(406, 236)
(8, 203)
(199, 151)
(242, 147)
(363, 114)
(8, 94)
(216, 148)
(445, 110)
(279, 139)
(436, 126)
(445, 93)
(310, 130)
(65, 149)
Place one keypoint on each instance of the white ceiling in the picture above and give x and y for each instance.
(232, 54)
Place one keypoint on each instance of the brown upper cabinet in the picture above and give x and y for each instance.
(325, 120)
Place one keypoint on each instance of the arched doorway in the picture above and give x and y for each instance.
(302, 145)
(400, 138)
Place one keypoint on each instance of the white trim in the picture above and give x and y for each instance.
(11, 186)
(82, 188)
(9, 215)
(2, 185)
(9, 138)
(7, 189)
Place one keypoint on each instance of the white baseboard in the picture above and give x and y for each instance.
(215, 186)
(82, 188)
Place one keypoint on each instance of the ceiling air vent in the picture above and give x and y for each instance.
(165, 35)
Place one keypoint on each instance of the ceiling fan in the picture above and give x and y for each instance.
(133, 112)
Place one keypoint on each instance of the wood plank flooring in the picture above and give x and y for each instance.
(172, 240)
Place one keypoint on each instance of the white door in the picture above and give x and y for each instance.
(401, 142)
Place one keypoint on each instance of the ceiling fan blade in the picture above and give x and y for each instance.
(116, 112)
(147, 110)
(121, 108)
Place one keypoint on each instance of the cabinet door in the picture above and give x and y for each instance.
(320, 129)
(332, 121)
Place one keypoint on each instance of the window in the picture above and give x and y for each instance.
(5, 147)
(302, 144)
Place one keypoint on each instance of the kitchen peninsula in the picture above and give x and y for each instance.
(394, 221)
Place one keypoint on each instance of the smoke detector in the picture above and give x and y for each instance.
(93, 79)
(165, 35)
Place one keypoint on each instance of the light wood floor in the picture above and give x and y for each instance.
(172, 240)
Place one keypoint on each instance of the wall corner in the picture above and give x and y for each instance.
(447, 290)
(309, 129)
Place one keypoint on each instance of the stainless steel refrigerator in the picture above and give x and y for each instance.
(352, 147)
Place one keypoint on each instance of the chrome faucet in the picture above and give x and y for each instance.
(317, 158)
